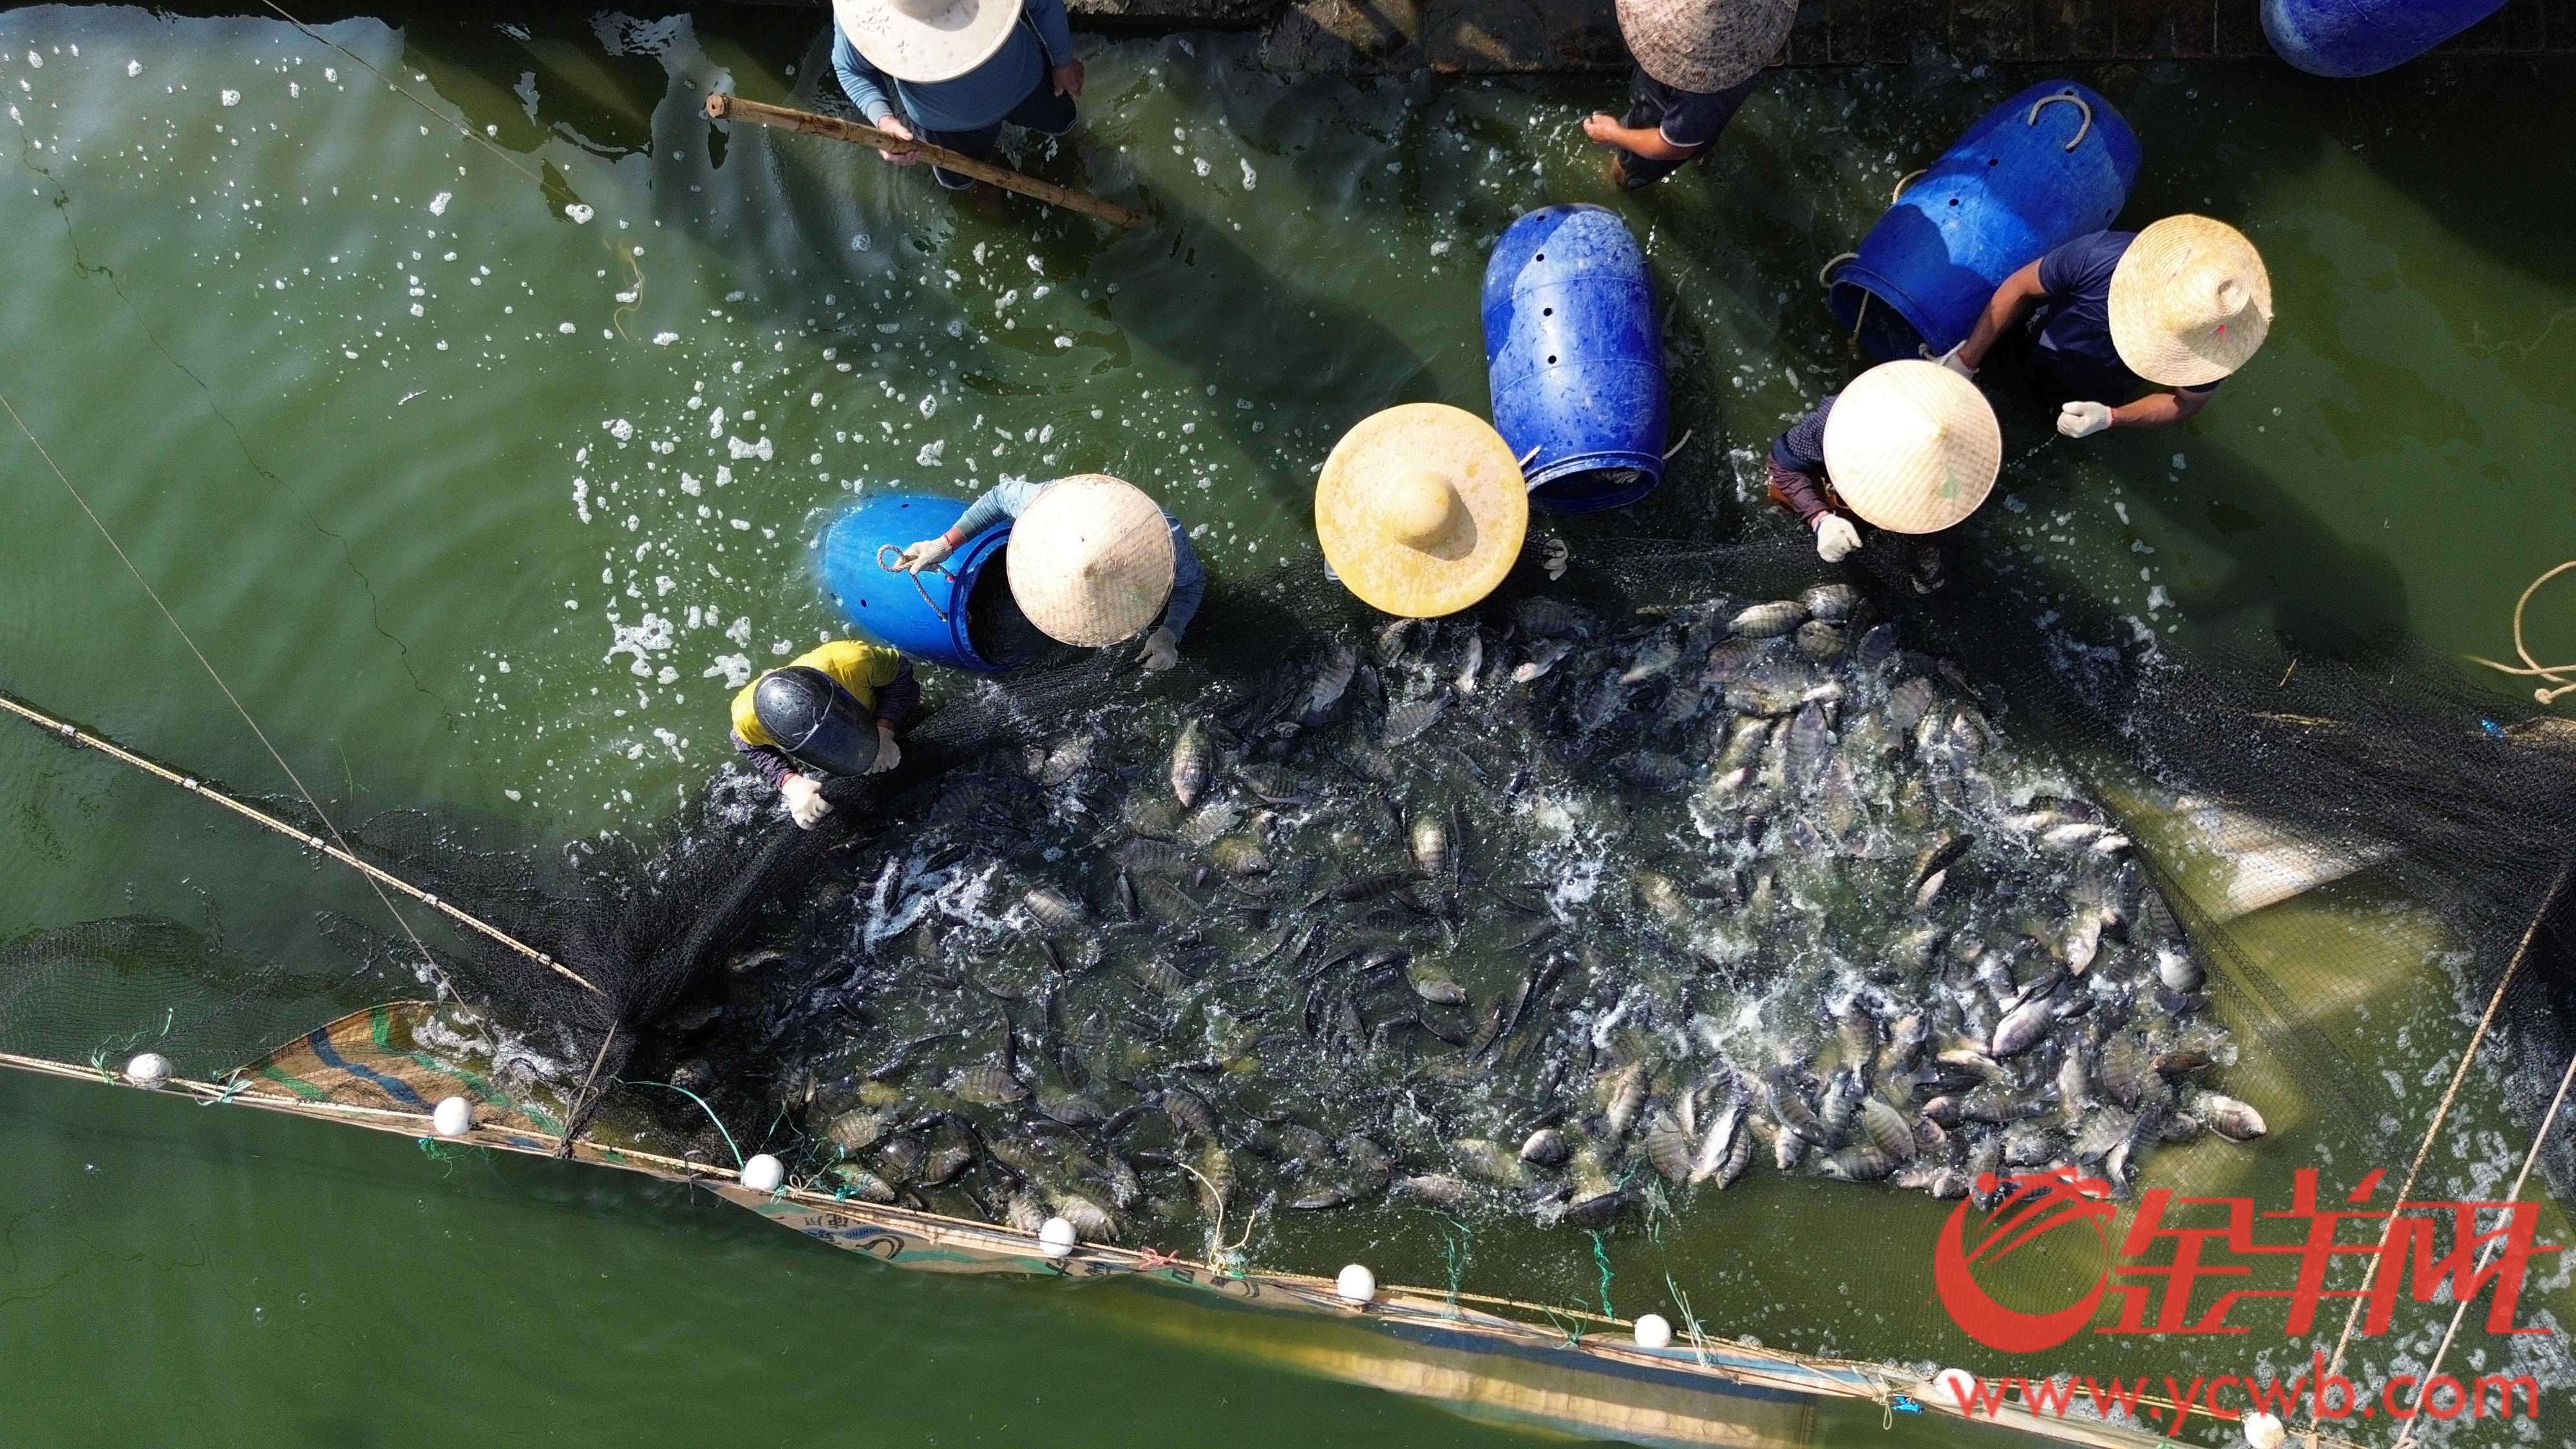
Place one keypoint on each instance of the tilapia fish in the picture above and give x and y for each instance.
(1753, 887)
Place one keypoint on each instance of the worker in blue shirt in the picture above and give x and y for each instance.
(951, 72)
(1697, 63)
(2136, 329)
(1092, 561)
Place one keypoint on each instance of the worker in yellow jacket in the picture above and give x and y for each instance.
(808, 722)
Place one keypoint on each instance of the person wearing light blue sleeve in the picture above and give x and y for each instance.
(1084, 565)
(953, 72)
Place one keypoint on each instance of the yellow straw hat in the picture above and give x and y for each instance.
(2190, 302)
(926, 40)
(1912, 446)
(1090, 560)
(1421, 509)
(1705, 45)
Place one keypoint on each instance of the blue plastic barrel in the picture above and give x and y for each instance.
(1575, 359)
(2045, 167)
(931, 615)
(2365, 37)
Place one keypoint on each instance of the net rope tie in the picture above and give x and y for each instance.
(2559, 679)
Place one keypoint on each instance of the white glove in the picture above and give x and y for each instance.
(805, 803)
(1161, 650)
(889, 754)
(2083, 419)
(1957, 364)
(925, 554)
(1836, 539)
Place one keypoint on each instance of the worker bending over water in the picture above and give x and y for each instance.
(1092, 561)
(1909, 448)
(959, 68)
(1697, 63)
(2114, 314)
(810, 721)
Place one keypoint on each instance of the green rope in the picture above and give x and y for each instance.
(122, 1045)
(1690, 1320)
(1455, 1246)
(440, 1153)
(702, 1106)
(1573, 1333)
(233, 1087)
(1601, 1255)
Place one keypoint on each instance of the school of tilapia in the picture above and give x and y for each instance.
(1554, 912)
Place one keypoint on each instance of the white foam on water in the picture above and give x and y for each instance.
(438, 203)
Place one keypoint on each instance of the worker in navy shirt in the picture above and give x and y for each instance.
(2136, 328)
(952, 72)
(1697, 61)
(1908, 449)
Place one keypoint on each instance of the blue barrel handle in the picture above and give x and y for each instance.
(2078, 102)
(923, 589)
(1999, 198)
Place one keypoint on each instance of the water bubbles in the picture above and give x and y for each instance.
(619, 428)
(579, 213)
(1251, 179)
(929, 404)
(563, 327)
(231, 98)
(861, 242)
(134, 67)
(928, 457)
(438, 203)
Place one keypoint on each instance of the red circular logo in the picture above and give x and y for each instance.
(2037, 1204)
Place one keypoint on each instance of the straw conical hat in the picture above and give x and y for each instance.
(1091, 560)
(1705, 45)
(1912, 446)
(2190, 302)
(926, 40)
(1421, 509)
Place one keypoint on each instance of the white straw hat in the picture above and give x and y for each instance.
(1912, 447)
(2190, 302)
(1421, 509)
(926, 40)
(1090, 560)
(1705, 45)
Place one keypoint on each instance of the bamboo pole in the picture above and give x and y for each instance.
(722, 107)
(77, 738)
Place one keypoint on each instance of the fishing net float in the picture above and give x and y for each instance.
(652, 926)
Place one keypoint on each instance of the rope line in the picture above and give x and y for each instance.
(212, 673)
(335, 849)
(2539, 1140)
(461, 127)
(2558, 676)
(2433, 1130)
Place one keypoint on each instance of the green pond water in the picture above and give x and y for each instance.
(482, 508)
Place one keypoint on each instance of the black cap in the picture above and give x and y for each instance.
(819, 724)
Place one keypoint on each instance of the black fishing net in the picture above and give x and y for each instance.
(1704, 859)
